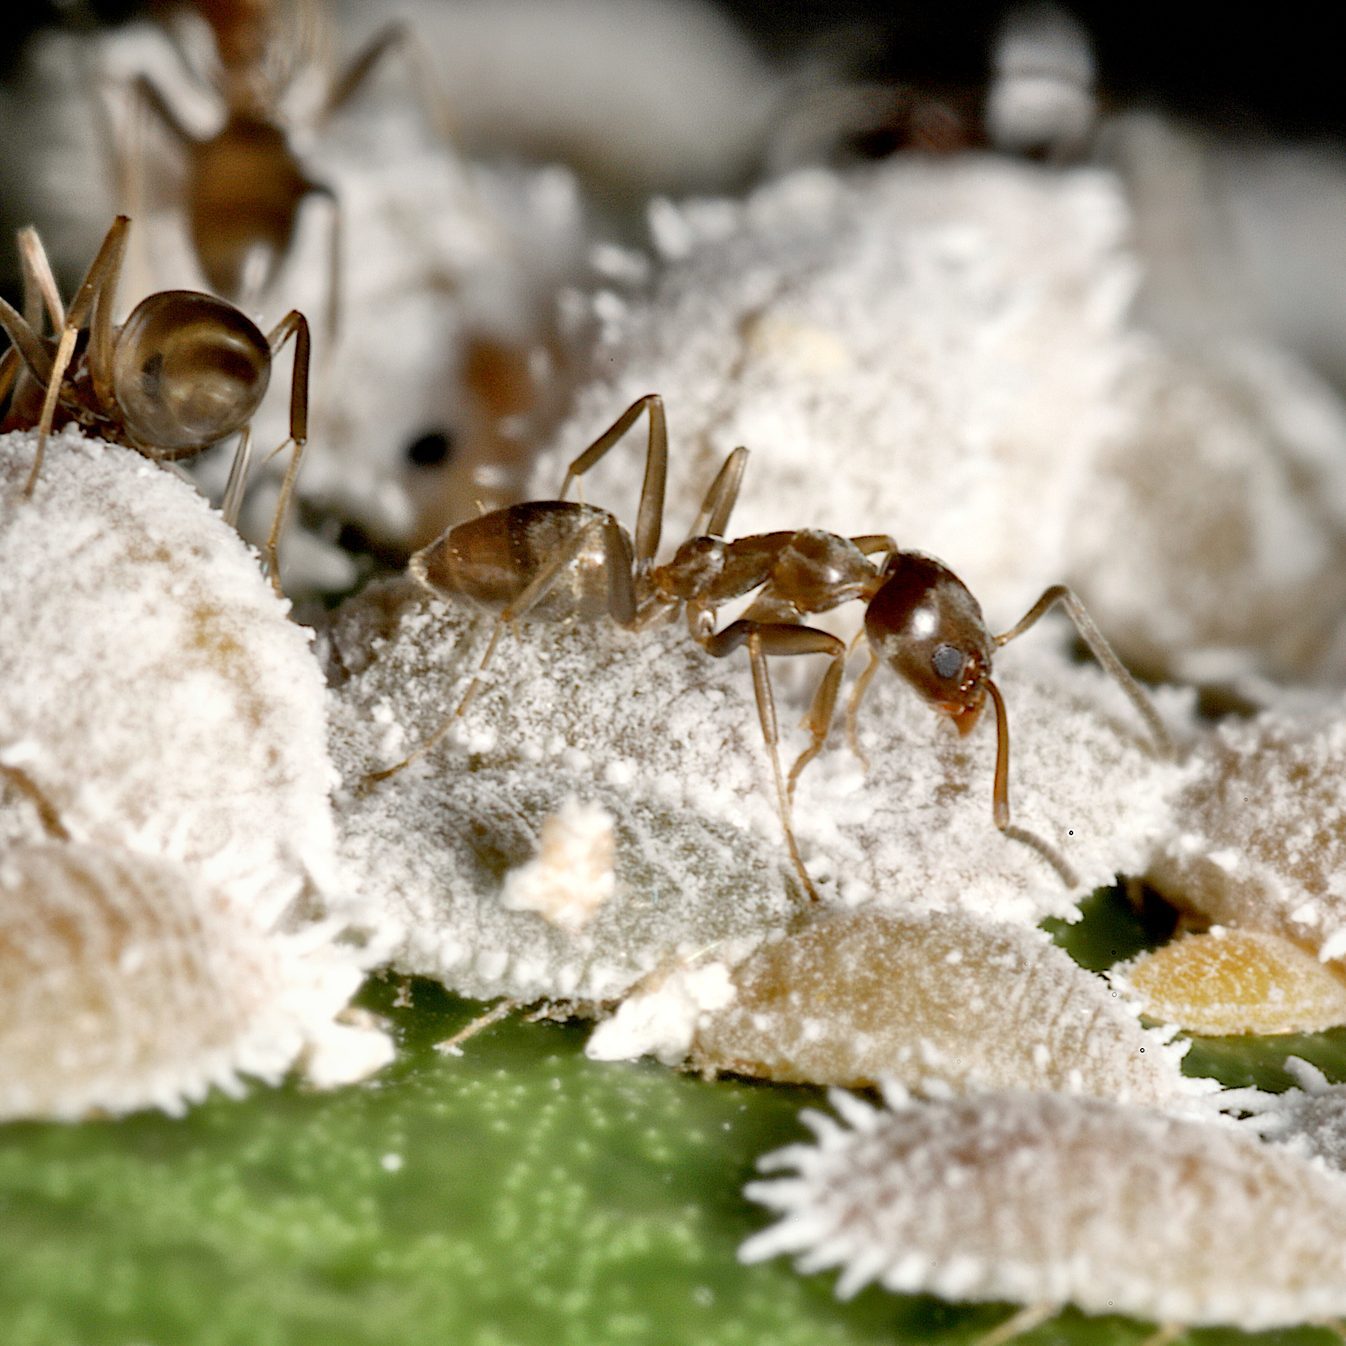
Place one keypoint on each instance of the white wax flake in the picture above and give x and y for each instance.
(1049, 1200)
(572, 874)
(660, 1019)
(952, 340)
(853, 998)
(161, 692)
(700, 855)
(130, 982)
(1264, 824)
(1310, 1119)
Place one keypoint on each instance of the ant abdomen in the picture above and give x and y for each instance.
(493, 560)
(188, 370)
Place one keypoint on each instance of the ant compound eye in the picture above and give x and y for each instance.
(432, 449)
(948, 661)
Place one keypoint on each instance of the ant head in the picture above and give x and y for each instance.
(188, 370)
(929, 629)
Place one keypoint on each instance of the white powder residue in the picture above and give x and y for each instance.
(953, 341)
(662, 1021)
(1264, 827)
(699, 853)
(572, 875)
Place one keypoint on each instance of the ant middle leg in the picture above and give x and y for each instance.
(764, 639)
(713, 517)
(295, 325)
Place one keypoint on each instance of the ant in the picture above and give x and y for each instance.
(246, 182)
(184, 370)
(560, 558)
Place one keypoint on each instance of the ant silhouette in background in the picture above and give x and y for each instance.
(184, 371)
(246, 181)
(561, 559)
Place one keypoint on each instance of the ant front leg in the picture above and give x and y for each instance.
(764, 639)
(295, 325)
(1102, 651)
(95, 294)
(1000, 809)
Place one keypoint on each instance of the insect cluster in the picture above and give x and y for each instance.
(608, 742)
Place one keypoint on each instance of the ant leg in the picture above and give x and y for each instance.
(1019, 1322)
(9, 369)
(823, 706)
(394, 38)
(39, 285)
(713, 517)
(621, 607)
(650, 514)
(764, 639)
(295, 325)
(232, 502)
(1000, 808)
(1102, 651)
(100, 278)
(47, 813)
(857, 696)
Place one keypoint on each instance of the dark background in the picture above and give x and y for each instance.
(1275, 71)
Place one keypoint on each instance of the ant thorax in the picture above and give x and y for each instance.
(927, 626)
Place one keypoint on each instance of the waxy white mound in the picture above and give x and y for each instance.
(151, 684)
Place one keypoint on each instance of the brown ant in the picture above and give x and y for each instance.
(557, 558)
(184, 370)
(246, 182)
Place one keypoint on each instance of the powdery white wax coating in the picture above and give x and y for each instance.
(945, 1000)
(918, 827)
(131, 982)
(928, 349)
(1210, 537)
(1050, 1200)
(700, 857)
(436, 851)
(1262, 827)
(149, 674)
(1310, 1119)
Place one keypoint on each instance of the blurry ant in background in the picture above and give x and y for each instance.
(563, 560)
(246, 181)
(184, 371)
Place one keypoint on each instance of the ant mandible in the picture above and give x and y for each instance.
(559, 558)
(184, 371)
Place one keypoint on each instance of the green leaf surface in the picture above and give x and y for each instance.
(515, 1194)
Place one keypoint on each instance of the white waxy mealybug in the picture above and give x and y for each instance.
(1047, 1200)
(1236, 981)
(945, 1000)
(130, 982)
